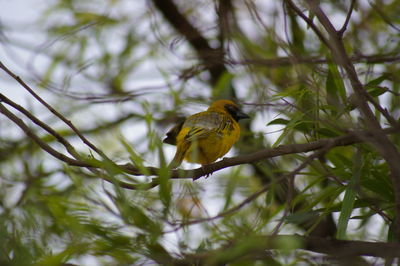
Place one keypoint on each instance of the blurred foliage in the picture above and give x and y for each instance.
(124, 75)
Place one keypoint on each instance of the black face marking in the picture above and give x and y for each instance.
(233, 111)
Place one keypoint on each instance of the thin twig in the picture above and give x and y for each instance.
(288, 61)
(35, 120)
(378, 138)
(349, 139)
(291, 177)
(51, 109)
(309, 22)
(39, 141)
(346, 22)
(392, 121)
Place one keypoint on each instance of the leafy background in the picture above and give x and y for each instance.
(125, 71)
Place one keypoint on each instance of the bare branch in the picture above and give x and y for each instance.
(309, 22)
(258, 245)
(346, 22)
(35, 120)
(51, 109)
(210, 57)
(287, 61)
(40, 142)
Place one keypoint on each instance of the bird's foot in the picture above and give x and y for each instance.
(205, 171)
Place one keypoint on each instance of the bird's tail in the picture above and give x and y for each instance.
(179, 156)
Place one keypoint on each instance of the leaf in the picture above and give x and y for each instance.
(165, 191)
(135, 158)
(301, 217)
(373, 87)
(377, 91)
(222, 88)
(278, 121)
(134, 215)
(305, 126)
(336, 91)
(392, 236)
(327, 132)
(379, 183)
(349, 197)
(377, 81)
(89, 17)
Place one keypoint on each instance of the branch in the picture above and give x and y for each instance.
(257, 246)
(349, 139)
(92, 164)
(378, 138)
(345, 140)
(255, 195)
(39, 141)
(309, 22)
(51, 109)
(211, 58)
(288, 61)
(35, 120)
(346, 22)
(381, 142)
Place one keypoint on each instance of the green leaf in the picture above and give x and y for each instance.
(135, 158)
(278, 121)
(392, 236)
(379, 80)
(89, 17)
(373, 87)
(327, 132)
(349, 197)
(165, 187)
(301, 217)
(336, 91)
(377, 91)
(135, 216)
(222, 88)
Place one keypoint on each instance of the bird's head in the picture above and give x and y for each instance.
(230, 107)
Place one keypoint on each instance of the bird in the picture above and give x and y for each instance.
(206, 136)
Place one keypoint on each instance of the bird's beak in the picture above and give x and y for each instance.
(241, 115)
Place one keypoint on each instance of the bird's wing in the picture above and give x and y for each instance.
(203, 124)
(172, 133)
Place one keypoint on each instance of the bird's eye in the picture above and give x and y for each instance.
(231, 108)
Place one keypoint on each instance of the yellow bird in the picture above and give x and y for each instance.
(204, 137)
